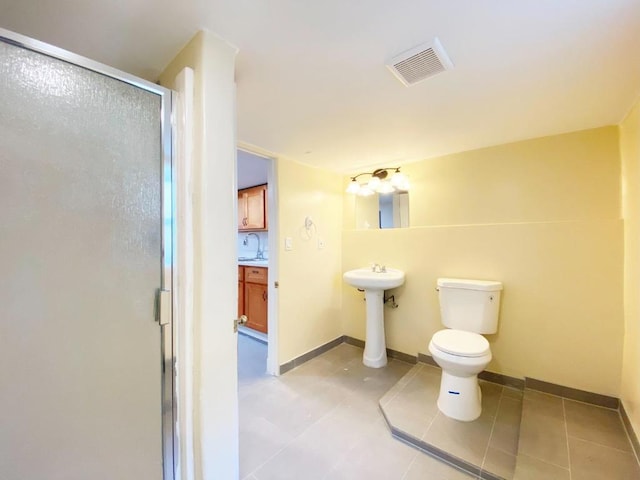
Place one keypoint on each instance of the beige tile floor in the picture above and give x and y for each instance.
(488, 444)
(562, 439)
(322, 421)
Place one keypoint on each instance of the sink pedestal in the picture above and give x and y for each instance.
(375, 348)
(374, 281)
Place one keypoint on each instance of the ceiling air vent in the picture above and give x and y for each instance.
(420, 62)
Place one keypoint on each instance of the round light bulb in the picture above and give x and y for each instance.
(365, 191)
(405, 185)
(374, 183)
(385, 187)
(353, 187)
(398, 179)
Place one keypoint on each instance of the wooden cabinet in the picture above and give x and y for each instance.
(255, 303)
(240, 291)
(252, 208)
(252, 288)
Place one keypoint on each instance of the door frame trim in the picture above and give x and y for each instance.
(169, 440)
(273, 364)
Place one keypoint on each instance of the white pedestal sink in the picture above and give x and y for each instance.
(374, 282)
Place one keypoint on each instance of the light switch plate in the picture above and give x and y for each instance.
(320, 243)
(288, 243)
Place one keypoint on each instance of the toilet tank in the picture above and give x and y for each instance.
(470, 305)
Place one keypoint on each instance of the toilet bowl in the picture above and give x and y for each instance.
(461, 355)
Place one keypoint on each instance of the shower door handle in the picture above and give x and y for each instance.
(163, 307)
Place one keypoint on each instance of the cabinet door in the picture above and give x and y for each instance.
(242, 210)
(240, 290)
(255, 305)
(255, 208)
(252, 208)
(240, 298)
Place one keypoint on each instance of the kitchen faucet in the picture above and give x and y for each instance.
(259, 252)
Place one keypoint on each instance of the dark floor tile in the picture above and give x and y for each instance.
(542, 429)
(529, 468)
(499, 463)
(596, 424)
(590, 461)
(491, 394)
(506, 429)
(513, 393)
(465, 440)
(543, 404)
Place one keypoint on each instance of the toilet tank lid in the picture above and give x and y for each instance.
(486, 285)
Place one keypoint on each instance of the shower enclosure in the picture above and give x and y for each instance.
(86, 360)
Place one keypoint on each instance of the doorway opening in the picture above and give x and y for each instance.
(257, 263)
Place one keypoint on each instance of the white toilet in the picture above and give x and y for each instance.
(468, 308)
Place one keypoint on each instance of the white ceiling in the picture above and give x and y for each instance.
(252, 169)
(312, 85)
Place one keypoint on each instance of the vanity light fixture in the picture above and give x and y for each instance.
(378, 182)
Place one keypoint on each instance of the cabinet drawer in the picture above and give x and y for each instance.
(255, 275)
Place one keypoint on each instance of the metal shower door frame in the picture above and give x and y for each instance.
(169, 439)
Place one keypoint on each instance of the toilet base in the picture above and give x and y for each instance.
(460, 398)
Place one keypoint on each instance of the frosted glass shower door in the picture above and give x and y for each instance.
(80, 252)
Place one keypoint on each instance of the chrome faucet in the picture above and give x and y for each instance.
(259, 252)
(377, 268)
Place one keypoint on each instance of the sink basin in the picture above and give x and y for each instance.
(367, 279)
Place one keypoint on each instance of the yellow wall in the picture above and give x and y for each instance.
(543, 217)
(575, 176)
(214, 237)
(310, 278)
(630, 153)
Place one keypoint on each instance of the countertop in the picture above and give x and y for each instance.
(253, 263)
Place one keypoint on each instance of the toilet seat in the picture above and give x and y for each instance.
(461, 343)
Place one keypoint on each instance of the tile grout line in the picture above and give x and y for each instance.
(544, 461)
(406, 472)
(423, 445)
(295, 437)
(410, 376)
(566, 432)
(584, 403)
(430, 425)
(564, 400)
(603, 445)
(493, 425)
(363, 437)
